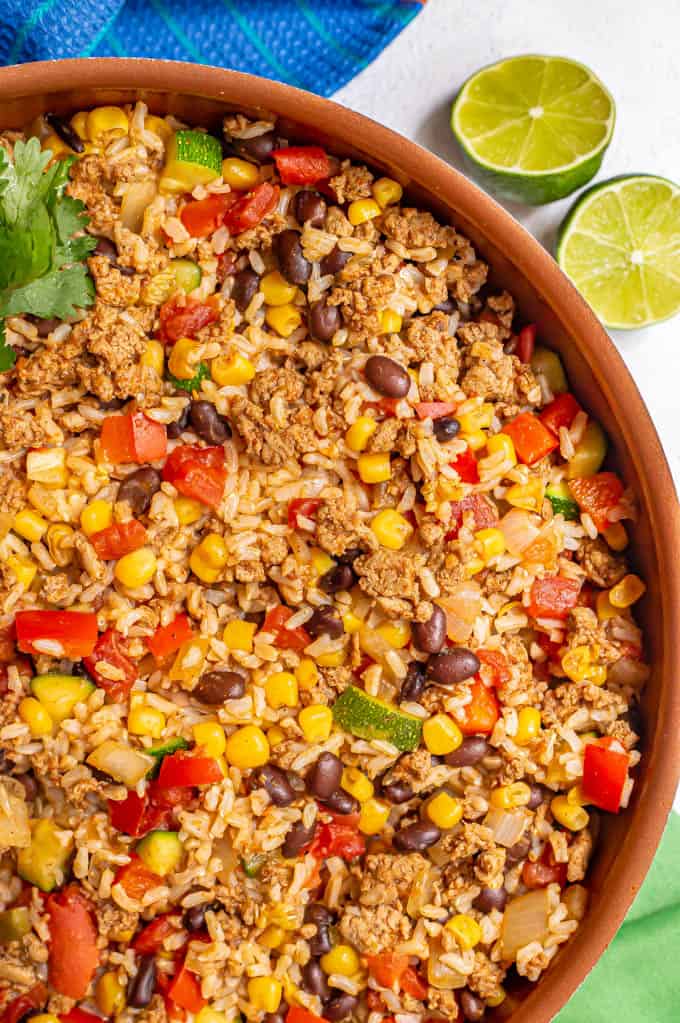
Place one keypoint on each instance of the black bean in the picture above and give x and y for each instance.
(340, 577)
(416, 837)
(446, 428)
(350, 556)
(207, 423)
(246, 283)
(317, 913)
(194, 918)
(325, 622)
(539, 794)
(297, 839)
(45, 327)
(491, 898)
(472, 1007)
(341, 802)
(387, 377)
(29, 783)
(334, 261)
(397, 791)
(105, 247)
(309, 207)
(257, 617)
(294, 267)
(178, 426)
(413, 686)
(448, 306)
(518, 851)
(454, 666)
(214, 687)
(340, 1007)
(280, 1015)
(324, 320)
(323, 777)
(258, 149)
(472, 749)
(430, 636)
(65, 132)
(142, 986)
(296, 782)
(314, 980)
(138, 488)
(275, 783)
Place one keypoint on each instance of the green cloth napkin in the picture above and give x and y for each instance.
(637, 980)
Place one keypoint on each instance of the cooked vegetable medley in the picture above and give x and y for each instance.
(319, 666)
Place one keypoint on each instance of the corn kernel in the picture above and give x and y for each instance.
(306, 673)
(479, 418)
(33, 714)
(264, 993)
(375, 468)
(569, 815)
(24, 569)
(509, 797)
(56, 146)
(604, 607)
(321, 562)
(577, 663)
(627, 592)
(576, 796)
(341, 959)
(284, 319)
(159, 126)
(276, 289)
(466, 930)
(333, 659)
(239, 174)
(148, 721)
(445, 810)
(30, 525)
(247, 747)
(474, 566)
(231, 370)
(391, 529)
(316, 722)
(209, 735)
(501, 443)
(281, 690)
(153, 356)
(272, 937)
(184, 358)
(238, 635)
(373, 816)
(497, 998)
(209, 558)
(387, 191)
(275, 736)
(110, 994)
(136, 569)
(360, 432)
(352, 623)
(441, 735)
(397, 634)
(475, 440)
(103, 120)
(79, 125)
(490, 543)
(48, 466)
(95, 516)
(597, 676)
(362, 210)
(188, 510)
(616, 536)
(390, 322)
(528, 725)
(356, 783)
(528, 496)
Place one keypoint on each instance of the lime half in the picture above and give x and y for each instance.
(533, 128)
(620, 244)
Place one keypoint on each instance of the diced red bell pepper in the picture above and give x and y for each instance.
(197, 472)
(553, 596)
(480, 715)
(531, 438)
(296, 1014)
(183, 768)
(136, 878)
(169, 798)
(526, 342)
(560, 412)
(110, 649)
(133, 438)
(203, 217)
(466, 467)
(483, 511)
(387, 967)
(285, 639)
(605, 772)
(70, 634)
(167, 639)
(136, 815)
(20, 1006)
(304, 506)
(185, 990)
(544, 871)
(118, 539)
(496, 666)
(302, 165)
(73, 956)
(182, 317)
(434, 409)
(339, 837)
(150, 939)
(78, 1015)
(250, 209)
(413, 984)
(597, 495)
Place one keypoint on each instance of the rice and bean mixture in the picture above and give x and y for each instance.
(318, 663)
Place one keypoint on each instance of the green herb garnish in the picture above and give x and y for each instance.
(195, 383)
(41, 262)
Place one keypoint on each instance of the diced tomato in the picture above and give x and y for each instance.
(339, 837)
(496, 666)
(110, 648)
(413, 984)
(203, 217)
(185, 990)
(39, 632)
(167, 639)
(183, 768)
(285, 639)
(169, 798)
(560, 412)
(136, 815)
(133, 438)
(531, 438)
(197, 472)
(150, 939)
(119, 539)
(553, 596)
(185, 317)
(526, 342)
(250, 209)
(136, 878)
(304, 506)
(8, 639)
(483, 511)
(27, 1003)
(78, 1015)
(302, 165)
(73, 956)
(296, 1014)
(605, 772)
(544, 871)
(434, 409)
(597, 495)
(466, 467)
(387, 967)
(481, 713)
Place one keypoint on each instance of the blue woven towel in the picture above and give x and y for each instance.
(315, 44)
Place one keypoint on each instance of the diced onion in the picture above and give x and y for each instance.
(121, 762)
(224, 851)
(518, 530)
(462, 607)
(441, 976)
(135, 201)
(575, 899)
(14, 829)
(507, 825)
(525, 920)
(421, 893)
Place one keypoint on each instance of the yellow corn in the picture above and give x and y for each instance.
(509, 797)
(284, 319)
(387, 191)
(576, 796)
(501, 443)
(321, 562)
(627, 592)
(275, 735)
(247, 747)
(104, 120)
(360, 432)
(362, 210)
(281, 690)
(184, 358)
(231, 370)
(390, 322)
(136, 569)
(158, 126)
(497, 998)
(477, 419)
(616, 536)
(605, 609)
(79, 125)
(209, 735)
(209, 558)
(238, 635)
(276, 289)
(188, 510)
(48, 466)
(466, 930)
(333, 659)
(490, 543)
(474, 566)
(59, 543)
(110, 994)
(441, 735)
(239, 174)
(95, 516)
(598, 675)
(30, 525)
(391, 529)
(341, 959)
(264, 993)
(375, 468)
(352, 623)
(577, 663)
(475, 440)
(528, 725)
(306, 673)
(153, 356)
(373, 816)
(569, 815)
(33, 714)
(148, 721)
(316, 722)
(24, 569)
(445, 810)
(272, 936)
(356, 783)
(397, 634)
(528, 496)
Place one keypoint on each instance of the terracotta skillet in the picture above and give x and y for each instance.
(599, 377)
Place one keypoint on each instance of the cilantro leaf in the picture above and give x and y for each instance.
(58, 293)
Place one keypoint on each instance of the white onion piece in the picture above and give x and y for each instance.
(121, 762)
(507, 825)
(421, 893)
(135, 201)
(525, 920)
(518, 530)
(462, 607)
(14, 829)
(224, 851)
(441, 976)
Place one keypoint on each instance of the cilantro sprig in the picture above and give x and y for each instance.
(41, 259)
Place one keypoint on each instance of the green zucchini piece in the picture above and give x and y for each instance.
(162, 750)
(14, 924)
(562, 502)
(548, 364)
(252, 865)
(193, 158)
(370, 718)
(59, 694)
(187, 274)
(43, 862)
(160, 851)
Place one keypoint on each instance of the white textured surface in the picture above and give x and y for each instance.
(632, 47)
